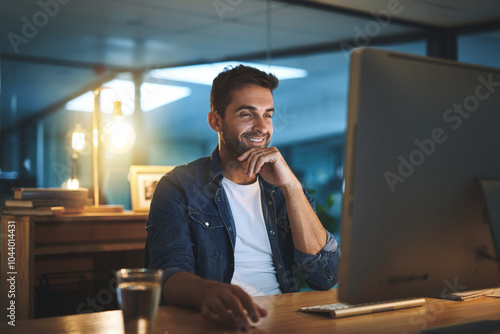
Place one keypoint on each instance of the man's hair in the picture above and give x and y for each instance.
(234, 78)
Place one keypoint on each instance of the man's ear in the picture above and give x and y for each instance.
(215, 121)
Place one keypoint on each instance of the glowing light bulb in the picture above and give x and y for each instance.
(72, 184)
(118, 136)
(78, 141)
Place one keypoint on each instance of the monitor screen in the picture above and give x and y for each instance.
(421, 133)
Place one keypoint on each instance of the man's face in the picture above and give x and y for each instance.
(248, 120)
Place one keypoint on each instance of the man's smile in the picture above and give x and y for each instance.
(255, 140)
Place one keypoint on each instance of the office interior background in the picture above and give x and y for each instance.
(155, 54)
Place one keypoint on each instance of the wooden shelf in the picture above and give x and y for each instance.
(89, 248)
(49, 244)
(93, 216)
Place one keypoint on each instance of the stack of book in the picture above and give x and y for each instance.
(46, 201)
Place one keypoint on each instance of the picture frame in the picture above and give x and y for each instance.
(143, 180)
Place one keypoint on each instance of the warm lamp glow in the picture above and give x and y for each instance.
(77, 145)
(78, 139)
(118, 136)
(73, 184)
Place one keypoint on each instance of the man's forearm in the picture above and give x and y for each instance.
(309, 235)
(184, 289)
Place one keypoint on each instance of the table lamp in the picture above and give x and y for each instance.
(117, 135)
(77, 145)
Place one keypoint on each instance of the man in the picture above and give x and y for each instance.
(232, 225)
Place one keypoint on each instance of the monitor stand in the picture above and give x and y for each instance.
(491, 192)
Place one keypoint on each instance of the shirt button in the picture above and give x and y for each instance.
(229, 228)
(270, 203)
(279, 266)
(218, 199)
(207, 224)
(272, 232)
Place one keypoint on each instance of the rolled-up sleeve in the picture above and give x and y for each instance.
(319, 270)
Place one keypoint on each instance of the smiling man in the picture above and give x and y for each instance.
(235, 225)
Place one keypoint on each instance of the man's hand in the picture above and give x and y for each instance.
(222, 304)
(309, 236)
(270, 164)
(228, 306)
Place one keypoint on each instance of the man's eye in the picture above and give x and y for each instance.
(269, 116)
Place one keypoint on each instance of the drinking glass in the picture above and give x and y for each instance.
(138, 292)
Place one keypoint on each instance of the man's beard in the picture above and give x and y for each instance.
(237, 145)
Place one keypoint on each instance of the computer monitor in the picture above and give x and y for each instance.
(422, 132)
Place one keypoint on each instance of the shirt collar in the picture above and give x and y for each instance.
(215, 168)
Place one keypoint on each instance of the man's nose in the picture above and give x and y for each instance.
(260, 124)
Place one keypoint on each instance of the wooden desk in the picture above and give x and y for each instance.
(283, 318)
(36, 238)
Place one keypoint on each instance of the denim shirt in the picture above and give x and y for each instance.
(191, 229)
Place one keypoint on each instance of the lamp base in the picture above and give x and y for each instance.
(103, 208)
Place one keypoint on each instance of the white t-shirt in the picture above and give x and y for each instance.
(254, 269)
